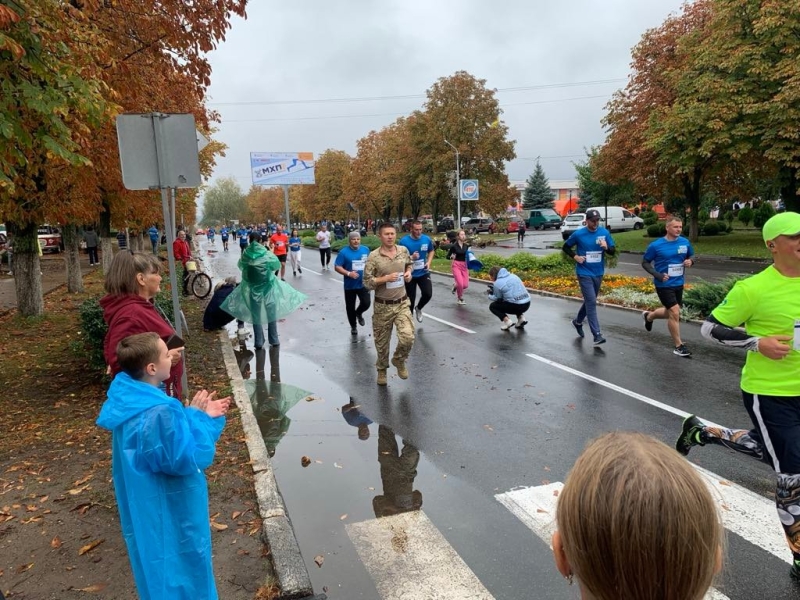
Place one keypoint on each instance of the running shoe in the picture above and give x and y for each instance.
(299, 270)
(506, 325)
(578, 327)
(461, 302)
(521, 322)
(690, 435)
(418, 314)
(353, 331)
(599, 339)
(648, 325)
(360, 320)
(683, 351)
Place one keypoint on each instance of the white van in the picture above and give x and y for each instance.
(619, 219)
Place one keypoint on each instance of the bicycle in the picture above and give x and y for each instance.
(199, 282)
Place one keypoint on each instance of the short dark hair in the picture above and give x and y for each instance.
(494, 271)
(386, 225)
(416, 222)
(137, 351)
(254, 236)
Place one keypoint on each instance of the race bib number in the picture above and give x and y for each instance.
(675, 270)
(797, 335)
(419, 265)
(594, 257)
(396, 283)
(423, 248)
(358, 265)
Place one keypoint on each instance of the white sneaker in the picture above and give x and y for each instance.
(418, 313)
(521, 322)
(507, 323)
(461, 302)
(242, 334)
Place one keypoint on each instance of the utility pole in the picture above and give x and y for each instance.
(458, 185)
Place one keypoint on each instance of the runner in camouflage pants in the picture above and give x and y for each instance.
(384, 316)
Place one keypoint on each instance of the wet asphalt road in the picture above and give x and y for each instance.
(486, 418)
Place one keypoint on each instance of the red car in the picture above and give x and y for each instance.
(513, 225)
(50, 239)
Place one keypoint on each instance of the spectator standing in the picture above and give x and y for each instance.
(122, 239)
(183, 253)
(155, 235)
(90, 237)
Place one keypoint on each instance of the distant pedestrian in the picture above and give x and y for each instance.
(90, 237)
(224, 235)
(295, 245)
(122, 239)
(458, 254)
(350, 263)
(324, 239)
(183, 254)
(624, 491)
(509, 297)
(587, 247)
(666, 259)
(279, 244)
(387, 271)
(420, 247)
(154, 238)
(521, 233)
(243, 240)
(160, 450)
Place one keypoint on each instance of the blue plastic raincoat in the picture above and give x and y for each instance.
(159, 452)
(262, 297)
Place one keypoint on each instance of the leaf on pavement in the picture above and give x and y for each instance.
(319, 559)
(23, 568)
(90, 546)
(56, 542)
(236, 514)
(92, 589)
(541, 510)
(218, 526)
(488, 428)
(343, 517)
(77, 490)
(80, 482)
(305, 461)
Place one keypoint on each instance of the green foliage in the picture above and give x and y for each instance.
(703, 296)
(763, 214)
(712, 228)
(223, 201)
(649, 217)
(729, 217)
(307, 233)
(537, 192)
(703, 217)
(370, 241)
(593, 191)
(656, 230)
(94, 328)
(523, 262)
(746, 216)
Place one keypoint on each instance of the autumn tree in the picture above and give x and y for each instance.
(223, 201)
(265, 204)
(461, 110)
(368, 186)
(593, 191)
(331, 172)
(537, 193)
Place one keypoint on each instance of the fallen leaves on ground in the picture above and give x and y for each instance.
(319, 559)
(90, 546)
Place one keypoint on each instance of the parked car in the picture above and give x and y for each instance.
(619, 219)
(543, 218)
(572, 223)
(479, 226)
(50, 239)
(200, 232)
(445, 225)
(513, 225)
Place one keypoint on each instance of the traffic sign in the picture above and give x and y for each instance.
(468, 190)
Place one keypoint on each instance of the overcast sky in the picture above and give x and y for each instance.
(571, 56)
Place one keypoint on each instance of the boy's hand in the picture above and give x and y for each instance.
(175, 355)
(217, 408)
(201, 399)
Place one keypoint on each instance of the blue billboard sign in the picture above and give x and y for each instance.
(282, 168)
(468, 189)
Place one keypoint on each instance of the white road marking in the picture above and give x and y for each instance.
(536, 508)
(430, 316)
(409, 559)
(635, 395)
(311, 271)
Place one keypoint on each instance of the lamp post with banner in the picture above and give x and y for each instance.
(458, 184)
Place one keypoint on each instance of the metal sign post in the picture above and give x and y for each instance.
(286, 207)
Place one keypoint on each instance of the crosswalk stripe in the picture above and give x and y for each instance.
(536, 508)
(409, 559)
(748, 515)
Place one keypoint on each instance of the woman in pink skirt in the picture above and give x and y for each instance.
(458, 253)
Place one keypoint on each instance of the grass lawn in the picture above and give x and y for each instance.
(741, 244)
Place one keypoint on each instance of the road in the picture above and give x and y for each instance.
(495, 420)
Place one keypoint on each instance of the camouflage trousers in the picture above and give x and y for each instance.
(384, 317)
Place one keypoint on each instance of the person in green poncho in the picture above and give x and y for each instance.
(262, 298)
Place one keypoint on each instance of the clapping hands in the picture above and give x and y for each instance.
(208, 403)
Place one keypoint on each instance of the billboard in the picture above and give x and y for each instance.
(282, 168)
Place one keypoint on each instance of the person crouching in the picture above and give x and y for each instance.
(509, 297)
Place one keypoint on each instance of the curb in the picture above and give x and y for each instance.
(276, 528)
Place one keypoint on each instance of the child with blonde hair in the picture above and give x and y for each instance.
(636, 522)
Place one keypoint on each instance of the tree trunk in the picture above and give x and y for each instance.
(789, 189)
(27, 270)
(69, 235)
(104, 233)
(691, 188)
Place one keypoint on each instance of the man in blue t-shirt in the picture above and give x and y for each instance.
(587, 247)
(154, 235)
(421, 249)
(243, 241)
(224, 235)
(666, 259)
(350, 263)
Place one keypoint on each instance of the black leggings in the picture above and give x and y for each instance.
(364, 301)
(425, 287)
(325, 256)
(501, 309)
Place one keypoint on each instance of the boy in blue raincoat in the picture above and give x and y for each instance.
(159, 452)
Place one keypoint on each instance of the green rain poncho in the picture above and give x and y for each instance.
(262, 297)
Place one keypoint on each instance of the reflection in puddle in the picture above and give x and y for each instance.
(270, 398)
(398, 471)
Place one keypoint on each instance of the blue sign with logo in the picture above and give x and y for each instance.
(468, 189)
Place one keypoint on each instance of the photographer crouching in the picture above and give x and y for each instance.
(509, 297)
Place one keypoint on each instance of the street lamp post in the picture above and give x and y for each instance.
(458, 185)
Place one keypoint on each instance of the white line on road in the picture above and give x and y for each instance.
(409, 559)
(612, 386)
(536, 508)
(429, 316)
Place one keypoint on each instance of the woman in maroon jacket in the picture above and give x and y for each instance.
(133, 280)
